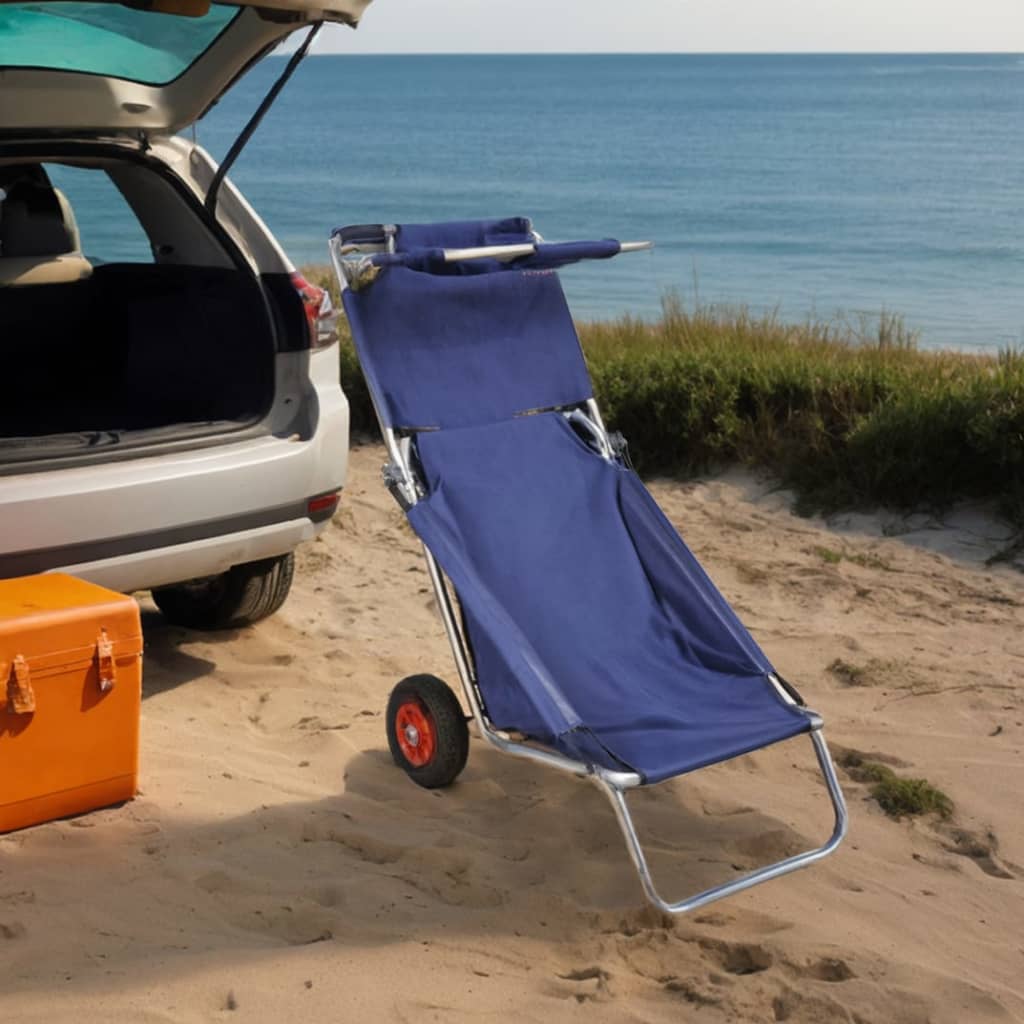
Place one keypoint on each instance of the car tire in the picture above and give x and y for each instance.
(243, 595)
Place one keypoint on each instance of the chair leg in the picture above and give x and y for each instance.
(616, 794)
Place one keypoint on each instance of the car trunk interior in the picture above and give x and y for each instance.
(133, 347)
(178, 342)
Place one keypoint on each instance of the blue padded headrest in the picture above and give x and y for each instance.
(464, 234)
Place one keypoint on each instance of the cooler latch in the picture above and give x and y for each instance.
(21, 698)
(105, 662)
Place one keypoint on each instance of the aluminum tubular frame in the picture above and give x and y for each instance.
(400, 476)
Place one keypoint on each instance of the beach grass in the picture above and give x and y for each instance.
(848, 416)
(848, 673)
(896, 795)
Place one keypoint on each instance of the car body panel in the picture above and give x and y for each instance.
(130, 521)
(196, 168)
(52, 99)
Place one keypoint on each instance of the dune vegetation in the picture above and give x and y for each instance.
(896, 795)
(847, 416)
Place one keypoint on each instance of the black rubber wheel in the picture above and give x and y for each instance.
(427, 731)
(239, 597)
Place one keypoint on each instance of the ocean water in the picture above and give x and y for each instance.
(827, 186)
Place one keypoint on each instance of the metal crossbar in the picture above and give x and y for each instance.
(349, 270)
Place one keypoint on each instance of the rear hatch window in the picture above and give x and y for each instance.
(107, 39)
(109, 67)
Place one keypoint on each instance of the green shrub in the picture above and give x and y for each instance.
(896, 795)
(864, 560)
(848, 673)
(829, 555)
(849, 418)
(363, 418)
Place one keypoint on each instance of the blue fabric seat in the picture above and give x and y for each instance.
(593, 628)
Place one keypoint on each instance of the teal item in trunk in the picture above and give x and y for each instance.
(107, 39)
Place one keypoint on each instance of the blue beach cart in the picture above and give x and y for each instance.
(585, 634)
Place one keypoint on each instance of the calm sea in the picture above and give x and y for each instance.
(828, 186)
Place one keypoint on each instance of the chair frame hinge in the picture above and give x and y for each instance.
(398, 485)
(620, 448)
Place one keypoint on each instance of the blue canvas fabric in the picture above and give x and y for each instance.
(593, 627)
(561, 254)
(463, 234)
(442, 351)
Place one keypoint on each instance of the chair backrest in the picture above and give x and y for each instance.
(449, 349)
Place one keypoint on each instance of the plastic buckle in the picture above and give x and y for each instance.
(105, 662)
(21, 698)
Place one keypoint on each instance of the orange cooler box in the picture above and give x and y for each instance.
(70, 693)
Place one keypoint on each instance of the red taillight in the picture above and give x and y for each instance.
(320, 314)
(325, 503)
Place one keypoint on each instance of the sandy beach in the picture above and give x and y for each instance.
(278, 868)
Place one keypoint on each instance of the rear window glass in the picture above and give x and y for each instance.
(108, 229)
(107, 39)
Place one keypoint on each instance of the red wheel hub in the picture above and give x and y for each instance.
(416, 734)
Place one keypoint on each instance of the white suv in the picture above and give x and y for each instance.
(173, 422)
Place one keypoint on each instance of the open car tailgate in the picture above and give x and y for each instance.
(101, 66)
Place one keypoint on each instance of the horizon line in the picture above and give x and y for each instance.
(663, 53)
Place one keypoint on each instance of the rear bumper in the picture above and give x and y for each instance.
(151, 521)
(155, 567)
(147, 560)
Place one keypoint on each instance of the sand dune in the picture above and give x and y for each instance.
(277, 867)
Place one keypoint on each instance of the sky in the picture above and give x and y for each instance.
(682, 26)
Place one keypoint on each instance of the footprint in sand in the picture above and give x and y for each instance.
(643, 918)
(690, 991)
(791, 1005)
(298, 925)
(980, 849)
(587, 984)
(829, 968)
(738, 957)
